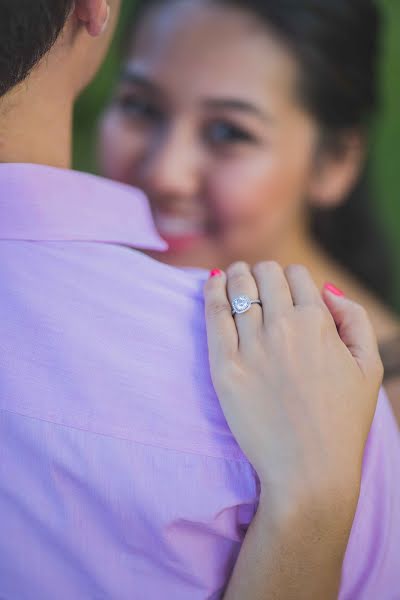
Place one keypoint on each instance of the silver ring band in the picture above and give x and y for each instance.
(242, 304)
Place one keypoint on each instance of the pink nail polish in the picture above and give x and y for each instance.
(334, 290)
(215, 273)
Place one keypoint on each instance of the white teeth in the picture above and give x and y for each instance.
(178, 226)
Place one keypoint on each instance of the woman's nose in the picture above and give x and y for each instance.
(171, 168)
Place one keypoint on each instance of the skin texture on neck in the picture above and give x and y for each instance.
(36, 126)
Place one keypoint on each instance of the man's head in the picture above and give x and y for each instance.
(29, 29)
(49, 51)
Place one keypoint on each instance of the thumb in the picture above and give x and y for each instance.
(354, 328)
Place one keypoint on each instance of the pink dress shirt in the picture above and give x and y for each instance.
(119, 477)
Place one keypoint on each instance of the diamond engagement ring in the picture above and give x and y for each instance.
(242, 304)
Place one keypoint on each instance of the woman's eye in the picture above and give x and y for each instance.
(225, 133)
(138, 108)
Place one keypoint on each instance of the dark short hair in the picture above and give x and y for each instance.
(28, 29)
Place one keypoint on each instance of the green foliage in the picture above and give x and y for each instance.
(386, 150)
(386, 146)
(93, 100)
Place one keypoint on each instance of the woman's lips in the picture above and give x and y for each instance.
(177, 226)
(183, 243)
(178, 231)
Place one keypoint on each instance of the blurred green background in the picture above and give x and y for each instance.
(385, 147)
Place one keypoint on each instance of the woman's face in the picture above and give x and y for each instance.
(206, 121)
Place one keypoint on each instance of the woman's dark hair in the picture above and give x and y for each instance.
(336, 44)
(28, 29)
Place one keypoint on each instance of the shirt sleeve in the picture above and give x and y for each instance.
(372, 563)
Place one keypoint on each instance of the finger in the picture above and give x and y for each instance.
(303, 289)
(354, 327)
(274, 290)
(221, 330)
(242, 283)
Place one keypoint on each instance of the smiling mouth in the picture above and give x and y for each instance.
(177, 227)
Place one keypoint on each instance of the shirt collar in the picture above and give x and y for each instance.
(40, 203)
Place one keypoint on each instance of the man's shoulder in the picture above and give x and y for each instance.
(72, 282)
(111, 339)
(372, 559)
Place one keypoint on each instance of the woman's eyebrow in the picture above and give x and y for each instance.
(234, 104)
(238, 105)
(129, 76)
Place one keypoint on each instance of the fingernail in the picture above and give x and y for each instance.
(215, 273)
(334, 290)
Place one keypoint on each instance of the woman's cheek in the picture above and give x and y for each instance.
(255, 205)
(118, 149)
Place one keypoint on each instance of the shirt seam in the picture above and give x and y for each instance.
(128, 439)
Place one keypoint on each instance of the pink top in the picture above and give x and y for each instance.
(119, 477)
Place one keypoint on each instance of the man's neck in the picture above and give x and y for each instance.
(36, 126)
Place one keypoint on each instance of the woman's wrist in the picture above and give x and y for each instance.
(291, 551)
(323, 515)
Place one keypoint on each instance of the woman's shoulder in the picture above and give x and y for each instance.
(387, 326)
(384, 320)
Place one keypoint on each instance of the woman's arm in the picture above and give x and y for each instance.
(291, 556)
(298, 381)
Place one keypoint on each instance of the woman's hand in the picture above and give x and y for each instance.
(298, 381)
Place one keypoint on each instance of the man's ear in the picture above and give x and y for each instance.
(337, 171)
(94, 14)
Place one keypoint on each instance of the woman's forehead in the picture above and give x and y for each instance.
(208, 48)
